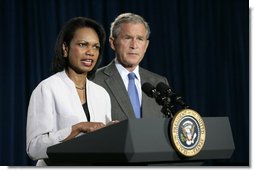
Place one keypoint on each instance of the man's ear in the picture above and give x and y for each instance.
(147, 43)
(65, 50)
(112, 43)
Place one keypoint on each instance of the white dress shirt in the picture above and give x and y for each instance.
(124, 74)
(55, 106)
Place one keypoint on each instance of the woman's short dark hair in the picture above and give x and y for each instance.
(66, 35)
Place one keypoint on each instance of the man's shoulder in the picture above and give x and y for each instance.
(147, 73)
(102, 69)
(151, 77)
(105, 71)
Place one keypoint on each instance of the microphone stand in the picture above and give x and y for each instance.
(167, 107)
(167, 112)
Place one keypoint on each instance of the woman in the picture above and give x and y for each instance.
(67, 103)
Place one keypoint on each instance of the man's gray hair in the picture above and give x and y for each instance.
(127, 18)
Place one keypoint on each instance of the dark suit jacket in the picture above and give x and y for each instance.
(109, 78)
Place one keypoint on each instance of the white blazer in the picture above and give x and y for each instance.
(55, 106)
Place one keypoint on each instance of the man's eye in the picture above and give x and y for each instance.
(127, 38)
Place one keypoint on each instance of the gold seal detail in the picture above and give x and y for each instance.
(187, 132)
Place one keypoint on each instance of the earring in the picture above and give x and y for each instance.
(65, 54)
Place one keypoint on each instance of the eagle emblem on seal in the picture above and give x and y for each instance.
(188, 134)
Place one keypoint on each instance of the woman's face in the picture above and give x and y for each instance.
(83, 52)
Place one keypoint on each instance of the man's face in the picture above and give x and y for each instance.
(130, 45)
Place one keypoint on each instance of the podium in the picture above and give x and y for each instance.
(140, 142)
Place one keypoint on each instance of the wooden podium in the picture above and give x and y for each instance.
(140, 142)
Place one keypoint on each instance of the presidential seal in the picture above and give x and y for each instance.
(187, 132)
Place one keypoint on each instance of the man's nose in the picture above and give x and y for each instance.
(134, 43)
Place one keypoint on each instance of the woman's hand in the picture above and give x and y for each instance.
(112, 122)
(89, 126)
(84, 127)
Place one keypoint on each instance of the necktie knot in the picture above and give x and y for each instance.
(131, 76)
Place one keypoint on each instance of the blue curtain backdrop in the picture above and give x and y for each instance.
(201, 46)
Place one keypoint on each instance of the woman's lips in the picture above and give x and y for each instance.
(87, 62)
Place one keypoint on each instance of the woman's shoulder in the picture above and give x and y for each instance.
(51, 81)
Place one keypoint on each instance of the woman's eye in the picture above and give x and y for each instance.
(82, 44)
(97, 47)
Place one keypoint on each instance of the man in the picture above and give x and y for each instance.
(129, 35)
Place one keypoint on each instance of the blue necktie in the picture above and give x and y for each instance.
(133, 94)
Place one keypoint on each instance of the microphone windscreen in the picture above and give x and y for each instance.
(162, 87)
(148, 89)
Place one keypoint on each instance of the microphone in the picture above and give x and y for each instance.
(165, 90)
(160, 99)
(150, 90)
